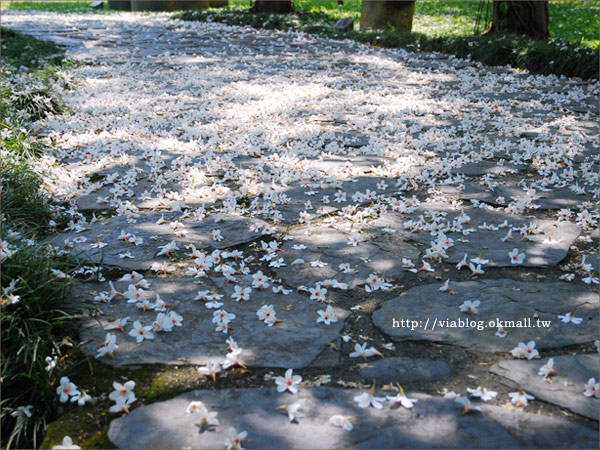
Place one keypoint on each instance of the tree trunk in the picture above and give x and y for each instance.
(378, 15)
(272, 7)
(120, 5)
(522, 17)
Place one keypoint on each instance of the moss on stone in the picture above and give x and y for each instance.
(78, 425)
(99, 440)
(170, 382)
(88, 425)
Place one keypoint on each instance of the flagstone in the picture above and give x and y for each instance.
(330, 246)
(563, 389)
(433, 422)
(435, 316)
(294, 342)
(234, 229)
(400, 369)
(554, 199)
(546, 248)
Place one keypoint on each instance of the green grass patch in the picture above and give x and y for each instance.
(446, 27)
(60, 7)
(24, 206)
(171, 381)
(20, 50)
(572, 21)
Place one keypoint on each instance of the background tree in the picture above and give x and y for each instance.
(272, 7)
(522, 17)
(379, 15)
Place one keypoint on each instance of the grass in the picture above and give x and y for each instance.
(575, 22)
(61, 7)
(36, 327)
(572, 21)
(38, 318)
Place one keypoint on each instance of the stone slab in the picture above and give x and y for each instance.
(400, 369)
(431, 423)
(500, 299)
(192, 200)
(335, 165)
(234, 229)
(344, 24)
(295, 342)
(332, 247)
(564, 389)
(486, 167)
(488, 244)
(297, 195)
(554, 199)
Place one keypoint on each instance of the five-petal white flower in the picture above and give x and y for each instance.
(289, 382)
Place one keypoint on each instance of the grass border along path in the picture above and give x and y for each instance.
(558, 57)
(38, 318)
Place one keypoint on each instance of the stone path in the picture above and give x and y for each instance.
(561, 390)
(523, 302)
(438, 423)
(215, 171)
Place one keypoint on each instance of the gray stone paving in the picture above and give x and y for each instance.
(523, 302)
(405, 370)
(432, 422)
(546, 246)
(564, 388)
(555, 199)
(234, 231)
(265, 132)
(196, 342)
(330, 248)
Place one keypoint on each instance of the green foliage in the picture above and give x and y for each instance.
(24, 206)
(34, 102)
(559, 58)
(38, 317)
(20, 50)
(33, 77)
(446, 27)
(29, 93)
(575, 22)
